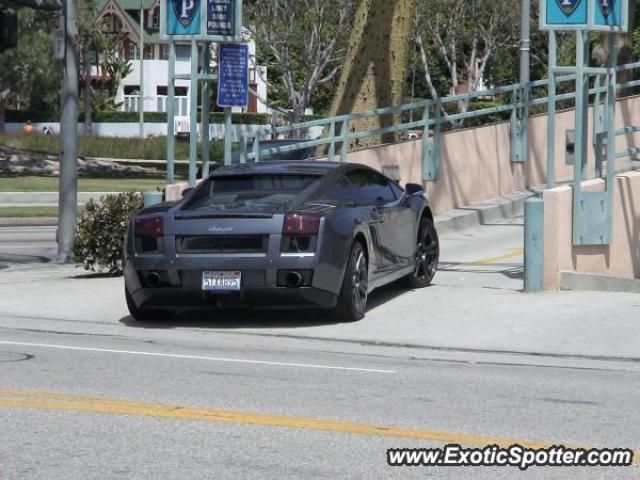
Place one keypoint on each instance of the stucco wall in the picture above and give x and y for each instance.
(475, 163)
(621, 259)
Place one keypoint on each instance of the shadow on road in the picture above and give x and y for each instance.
(216, 318)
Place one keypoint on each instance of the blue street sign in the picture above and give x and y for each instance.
(233, 75)
(221, 18)
(183, 17)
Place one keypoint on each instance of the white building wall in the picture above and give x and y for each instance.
(156, 74)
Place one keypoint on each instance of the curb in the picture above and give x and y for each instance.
(28, 222)
(597, 283)
(490, 211)
(43, 198)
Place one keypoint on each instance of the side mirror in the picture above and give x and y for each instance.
(414, 189)
(186, 192)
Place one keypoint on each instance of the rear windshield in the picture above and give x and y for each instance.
(245, 191)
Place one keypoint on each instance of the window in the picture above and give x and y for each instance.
(133, 52)
(148, 52)
(364, 186)
(164, 52)
(183, 52)
(132, 90)
(111, 24)
(250, 191)
(155, 20)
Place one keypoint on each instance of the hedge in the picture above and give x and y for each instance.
(19, 116)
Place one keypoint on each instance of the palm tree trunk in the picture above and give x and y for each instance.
(374, 72)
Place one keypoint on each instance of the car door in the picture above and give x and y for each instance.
(397, 229)
(391, 223)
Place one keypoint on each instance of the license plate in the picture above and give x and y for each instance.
(221, 281)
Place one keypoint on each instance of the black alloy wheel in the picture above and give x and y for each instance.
(352, 303)
(427, 256)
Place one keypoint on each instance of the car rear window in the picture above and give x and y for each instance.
(248, 190)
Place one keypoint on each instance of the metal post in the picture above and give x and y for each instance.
(427, 152)
(344, 131)
(206, 109)
(598, 128)
(533, 245)
(141, 47)
(582, 103)
(193, 121)
(332, 138)
(228, 135)
(171, 113)
(525, 77)
(68, 183)
(256, 147)
(551, 112)
(611, 134)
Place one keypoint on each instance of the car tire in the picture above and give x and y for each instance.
(427, 256)
(352, 302)
(144, 314)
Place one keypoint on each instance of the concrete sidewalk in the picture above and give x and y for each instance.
(475, 307)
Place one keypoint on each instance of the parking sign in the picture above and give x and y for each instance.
(233, 75)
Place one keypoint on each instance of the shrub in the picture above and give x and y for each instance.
(152, 148)
(101, 232)
(21, 116)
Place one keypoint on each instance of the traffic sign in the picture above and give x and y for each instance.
(588, 15)
(233, 75)
(202, 20)
(564, 14)
(183, 17)
(610, 16)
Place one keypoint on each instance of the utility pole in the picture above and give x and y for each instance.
(68, 188)
(525, 41)
(525, 76)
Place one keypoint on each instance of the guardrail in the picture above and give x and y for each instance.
(434, 119)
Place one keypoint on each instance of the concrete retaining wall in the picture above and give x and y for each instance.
(476, 163)
(620, 260)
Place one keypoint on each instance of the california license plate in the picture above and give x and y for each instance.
(221, 281)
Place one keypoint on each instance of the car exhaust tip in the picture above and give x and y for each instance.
(294, 279)
(153, 279)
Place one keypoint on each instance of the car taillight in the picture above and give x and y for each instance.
(296, 223)
(149, 227)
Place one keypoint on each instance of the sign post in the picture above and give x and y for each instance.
(592, 211)
(201, 22)
(233, 86)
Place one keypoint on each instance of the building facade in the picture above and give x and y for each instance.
(123, 17)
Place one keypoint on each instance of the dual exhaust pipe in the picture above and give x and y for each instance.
(153, 279)
(293, 279)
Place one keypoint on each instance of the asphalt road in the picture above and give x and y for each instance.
(86, 392)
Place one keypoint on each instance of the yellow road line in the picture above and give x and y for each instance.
(515, 253)
(29, 399)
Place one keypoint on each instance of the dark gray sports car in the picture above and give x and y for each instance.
(317, 234)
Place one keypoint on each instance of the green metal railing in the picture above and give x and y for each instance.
(434, 120)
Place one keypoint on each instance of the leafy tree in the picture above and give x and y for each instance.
(464, 35)
(30, 76)
(302, 43)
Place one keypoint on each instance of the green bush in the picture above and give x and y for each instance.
(152, 148)
(99, 243)
(20, 116)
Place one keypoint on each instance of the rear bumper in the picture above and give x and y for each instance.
(182, 282)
